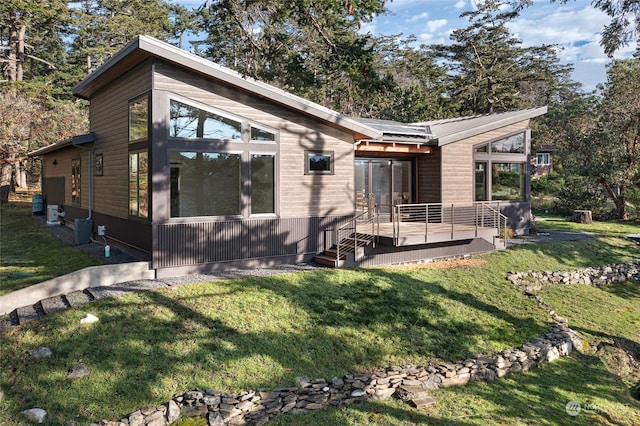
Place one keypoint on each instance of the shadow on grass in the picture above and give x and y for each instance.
(149, 346)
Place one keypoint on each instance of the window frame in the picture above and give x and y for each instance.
(129, 121)
(76, 182)
(308, 154)
(490, 157)
(245, 146)
(543, 163)
(136, 214)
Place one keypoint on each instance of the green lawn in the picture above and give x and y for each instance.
(30, 255)
(263, 332)
(612, 227)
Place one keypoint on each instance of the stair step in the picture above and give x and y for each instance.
(26, 314)
(326, 260)
(77, 298)
(53, 305)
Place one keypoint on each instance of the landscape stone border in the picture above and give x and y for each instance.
(409, 383)
(532, 281)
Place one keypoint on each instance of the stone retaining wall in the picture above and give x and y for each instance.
(532, 281)
(410, 383)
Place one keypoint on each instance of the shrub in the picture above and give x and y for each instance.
(580, 193)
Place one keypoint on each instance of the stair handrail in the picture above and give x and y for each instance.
(352, 225)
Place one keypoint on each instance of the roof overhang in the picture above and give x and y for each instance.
(453, 130)
(144, 47)
(74, 141)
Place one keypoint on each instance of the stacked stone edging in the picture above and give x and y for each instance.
(531, 281)
(410, 383)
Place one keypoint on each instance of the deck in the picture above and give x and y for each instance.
(411, 233)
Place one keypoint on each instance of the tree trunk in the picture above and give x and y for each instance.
(5, 182)
(11, 69)
(618, 199)
(20, 54)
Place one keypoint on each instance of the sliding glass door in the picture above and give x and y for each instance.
(382, 182)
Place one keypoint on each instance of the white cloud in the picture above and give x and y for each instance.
(460, 4)
(436, 25)
(420, 17)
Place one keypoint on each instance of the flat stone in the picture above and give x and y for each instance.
(423, 402)
(78, 371)
(459, 380)
(35, 415)
(173, 411)
(215, 419)
(383, 394)
(195, 411)
(41, 352)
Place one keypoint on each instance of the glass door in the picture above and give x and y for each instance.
(383, 182)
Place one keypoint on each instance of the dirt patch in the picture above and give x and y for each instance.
(622, 358)
(444, 264)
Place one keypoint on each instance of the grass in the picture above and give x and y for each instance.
(613, 227)
(29, 255)
(260, 333)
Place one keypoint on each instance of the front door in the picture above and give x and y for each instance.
(383, 182)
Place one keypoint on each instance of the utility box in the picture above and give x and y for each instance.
(52, 214)
(83, 231)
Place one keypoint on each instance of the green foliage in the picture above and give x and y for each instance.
(490, 69)
(579, 193)
(551, 183)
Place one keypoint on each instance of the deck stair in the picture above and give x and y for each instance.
(335, 256)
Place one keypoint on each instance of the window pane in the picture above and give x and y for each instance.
(483, 148)
(542, 159)
(512, 144)
(204, 184)
(143, 185)
(187, 121)
(319, 162)
(481, 181)
(133, 184)
(139, 120)
(262, 183)
(507, 181)
(261, 135)
(75, 182)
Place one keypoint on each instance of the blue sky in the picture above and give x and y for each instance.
(574, 26)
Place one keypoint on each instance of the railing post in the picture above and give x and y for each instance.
(452, 220)
(426, 222)
(337, 240)
(475, 213)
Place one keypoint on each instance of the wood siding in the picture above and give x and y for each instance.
(429, 177)
(458, 165)
(109, 115)
(298, 194)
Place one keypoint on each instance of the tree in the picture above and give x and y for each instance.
(30, 119)
(490, 69)
(621, 30)
(102, 27)
(31, 32)
(309, 47)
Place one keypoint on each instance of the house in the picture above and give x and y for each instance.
(195, 167)
(542, 161)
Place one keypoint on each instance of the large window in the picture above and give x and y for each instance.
(75, 181)
(205, 184)
(227, 167)
(187, 121)
(507, 181)
(500, 169)
(139, 119)
(139, 184)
